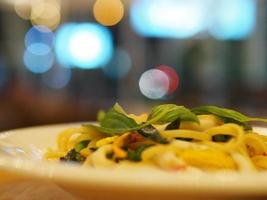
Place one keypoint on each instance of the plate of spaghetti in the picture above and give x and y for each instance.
(170, 152)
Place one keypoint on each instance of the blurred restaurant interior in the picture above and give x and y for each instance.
(63, 60)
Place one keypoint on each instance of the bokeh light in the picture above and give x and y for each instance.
(119, 66)
(40, 12)
(233, 19)
(81, 44)
(169, 18)
(85, 45)
(38, 55)
(38, 63)
(39, 49)
(172, 76)
(46, 13)
(39, 34)
(108, 12)
(154, 84)
(57, 77)
(23, 8)
(62, 39)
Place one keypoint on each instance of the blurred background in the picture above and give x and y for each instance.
(62, 60)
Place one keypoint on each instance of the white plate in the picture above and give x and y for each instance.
(34, 178)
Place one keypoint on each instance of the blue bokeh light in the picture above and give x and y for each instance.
(233, 19)
(119, 66)
(38, 63)
(85, 45)
(169, 18)
(39, 34)
(39, 49)
(57, 77)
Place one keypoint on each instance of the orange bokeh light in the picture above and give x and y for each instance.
(108, 12)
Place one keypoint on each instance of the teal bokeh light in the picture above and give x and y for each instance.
(84, 45)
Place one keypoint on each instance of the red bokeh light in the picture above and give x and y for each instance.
(173, 77)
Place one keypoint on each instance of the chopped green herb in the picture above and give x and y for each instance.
(152, 133)
(173, 125)
(135, 155)
(81, 145)
(73, 156)
(221, 138)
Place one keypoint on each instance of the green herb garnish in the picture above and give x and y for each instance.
(73, 156)
(152, 133)
(221, 138)
(100, 115)
(81, 145)
(173, 125)
(226, 114)
(135, 155)
(116, 123)
(167, 113)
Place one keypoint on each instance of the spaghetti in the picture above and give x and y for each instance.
(210, 142)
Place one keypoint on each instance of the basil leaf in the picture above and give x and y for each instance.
(115, 123)
(119, 109)
(245, 125)
(225, 113)
(100, 115)
(117, 120)
(170, 112)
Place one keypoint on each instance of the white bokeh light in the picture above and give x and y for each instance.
(85, 46)
(154, 84)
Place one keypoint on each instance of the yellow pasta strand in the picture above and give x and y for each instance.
(260, 162)
(208, 159)
(185, 134)
(255, 144)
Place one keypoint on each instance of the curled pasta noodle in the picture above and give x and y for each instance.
(232, 130)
